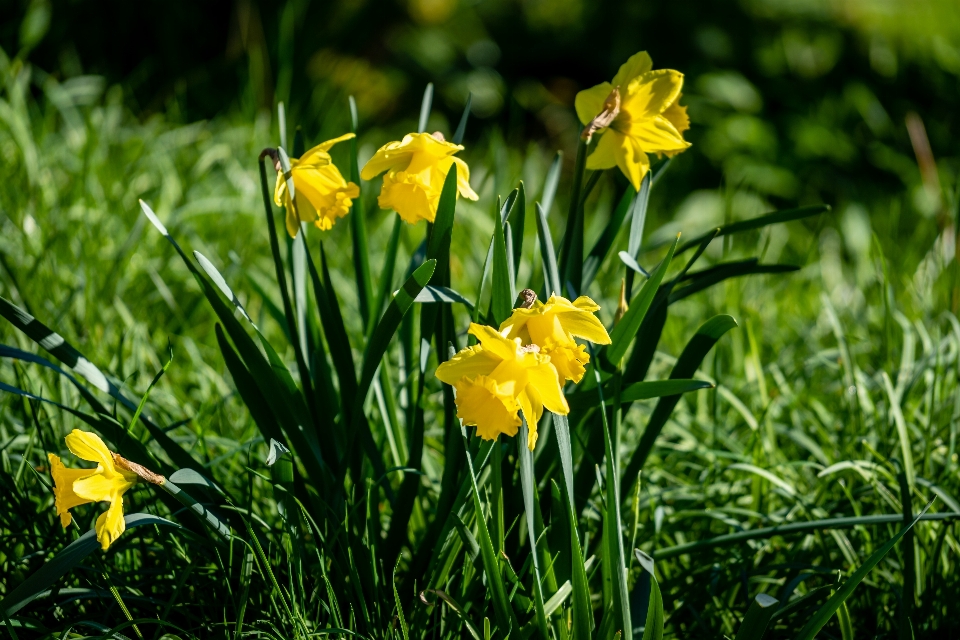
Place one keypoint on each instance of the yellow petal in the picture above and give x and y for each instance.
(583, 324)
(318, 154)
(101, 487)
(493, 342)
(637, 64)
(463, 180)
(657, 135)
(589, 102)
(569, 360)
(88, 446)
(650, 94)
(677, 116)
(407, 197)
(631, 159)
(585, 303)
(391, 156)
(531, 397)
(482, 404)
(63, 494)
(544, 379)
(604, 155)
(467, 363)
(110, 524)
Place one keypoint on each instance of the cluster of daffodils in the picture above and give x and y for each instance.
(522, 368)
(113, 476)
(635, 115)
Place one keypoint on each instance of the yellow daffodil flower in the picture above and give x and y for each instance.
(415, 170)
(635, 115)
(106, 483)
(499, 377)
(553, 326)
(321, 193)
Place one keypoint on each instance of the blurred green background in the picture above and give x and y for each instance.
(791, 100)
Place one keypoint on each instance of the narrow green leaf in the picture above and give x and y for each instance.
(425, 107)
(758, 616)
(582, 400)
(210, 518)
(442, 295)
(653, 627)
(759, 222)
(502, 300)
(358, 227)
(548, 256)
(65, 560)
(829, 608)
(600, 250)
(528, 486)
(551, 182)
(625, 330)
(462, 127)
(687, 364)
(518, 216)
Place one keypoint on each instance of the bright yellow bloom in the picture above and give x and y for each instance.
(106, 483)
(416, 168)
(553, 326)
(497, 378)
(649, 120)
(321, 193)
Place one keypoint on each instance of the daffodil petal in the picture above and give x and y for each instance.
(677, 116)
(463, 180)
(409, 199)
(100, 487)
(467, 363)
(637, 64)
(64, 496)
(391, 156)
(482, 404)
(88, 446)
(651, 93)
(583, 324)
(493, 342)
(657, 135)
(604, 155)
(589, 102)
(319, 152)
(110, 525)
(544, 379)
(632, 160)
(532, 398)
(585, 303)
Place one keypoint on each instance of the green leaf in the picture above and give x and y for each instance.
(582, 400)
(571, 250)
(625, 330)
(462, 127)
(425, 107)
(518, 215)
(210, 518)
(442, 295)
(528, 486)
(548, 256)
(600, 250)
(506, 617)
(765, 220)
(829, 608)
(687, 364)
(653, 627)
(386, 277)
(65, 560)
(758, 616)
(502, 300)
(358, 227)
(550, 183)
(438, 245)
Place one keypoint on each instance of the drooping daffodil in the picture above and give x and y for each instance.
(499, 377)
(112, 477)
(416, 168)
(553, 325)
(635, 115)
(321, 195)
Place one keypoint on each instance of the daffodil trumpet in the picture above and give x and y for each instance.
(113, 476)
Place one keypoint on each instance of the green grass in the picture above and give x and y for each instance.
(835, 397)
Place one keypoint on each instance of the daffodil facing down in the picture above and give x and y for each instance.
(321, 195)
(498, 378)
(416, 168)
(635, 115)
(113, 476)
(553, 326)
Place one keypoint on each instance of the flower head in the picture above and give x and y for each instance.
(637, 114)
(321, 195)
(553, 326)
(415, 170)
(499, 377)
(112, 477)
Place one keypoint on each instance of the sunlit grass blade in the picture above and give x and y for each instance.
(551, 182)
(528, 486)
(571, 250)
(598, 254)
(827, 611)
(653, 626)
(518, 217)
(502, 300)
(645, 390)
(425, 107)
(358, 226)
